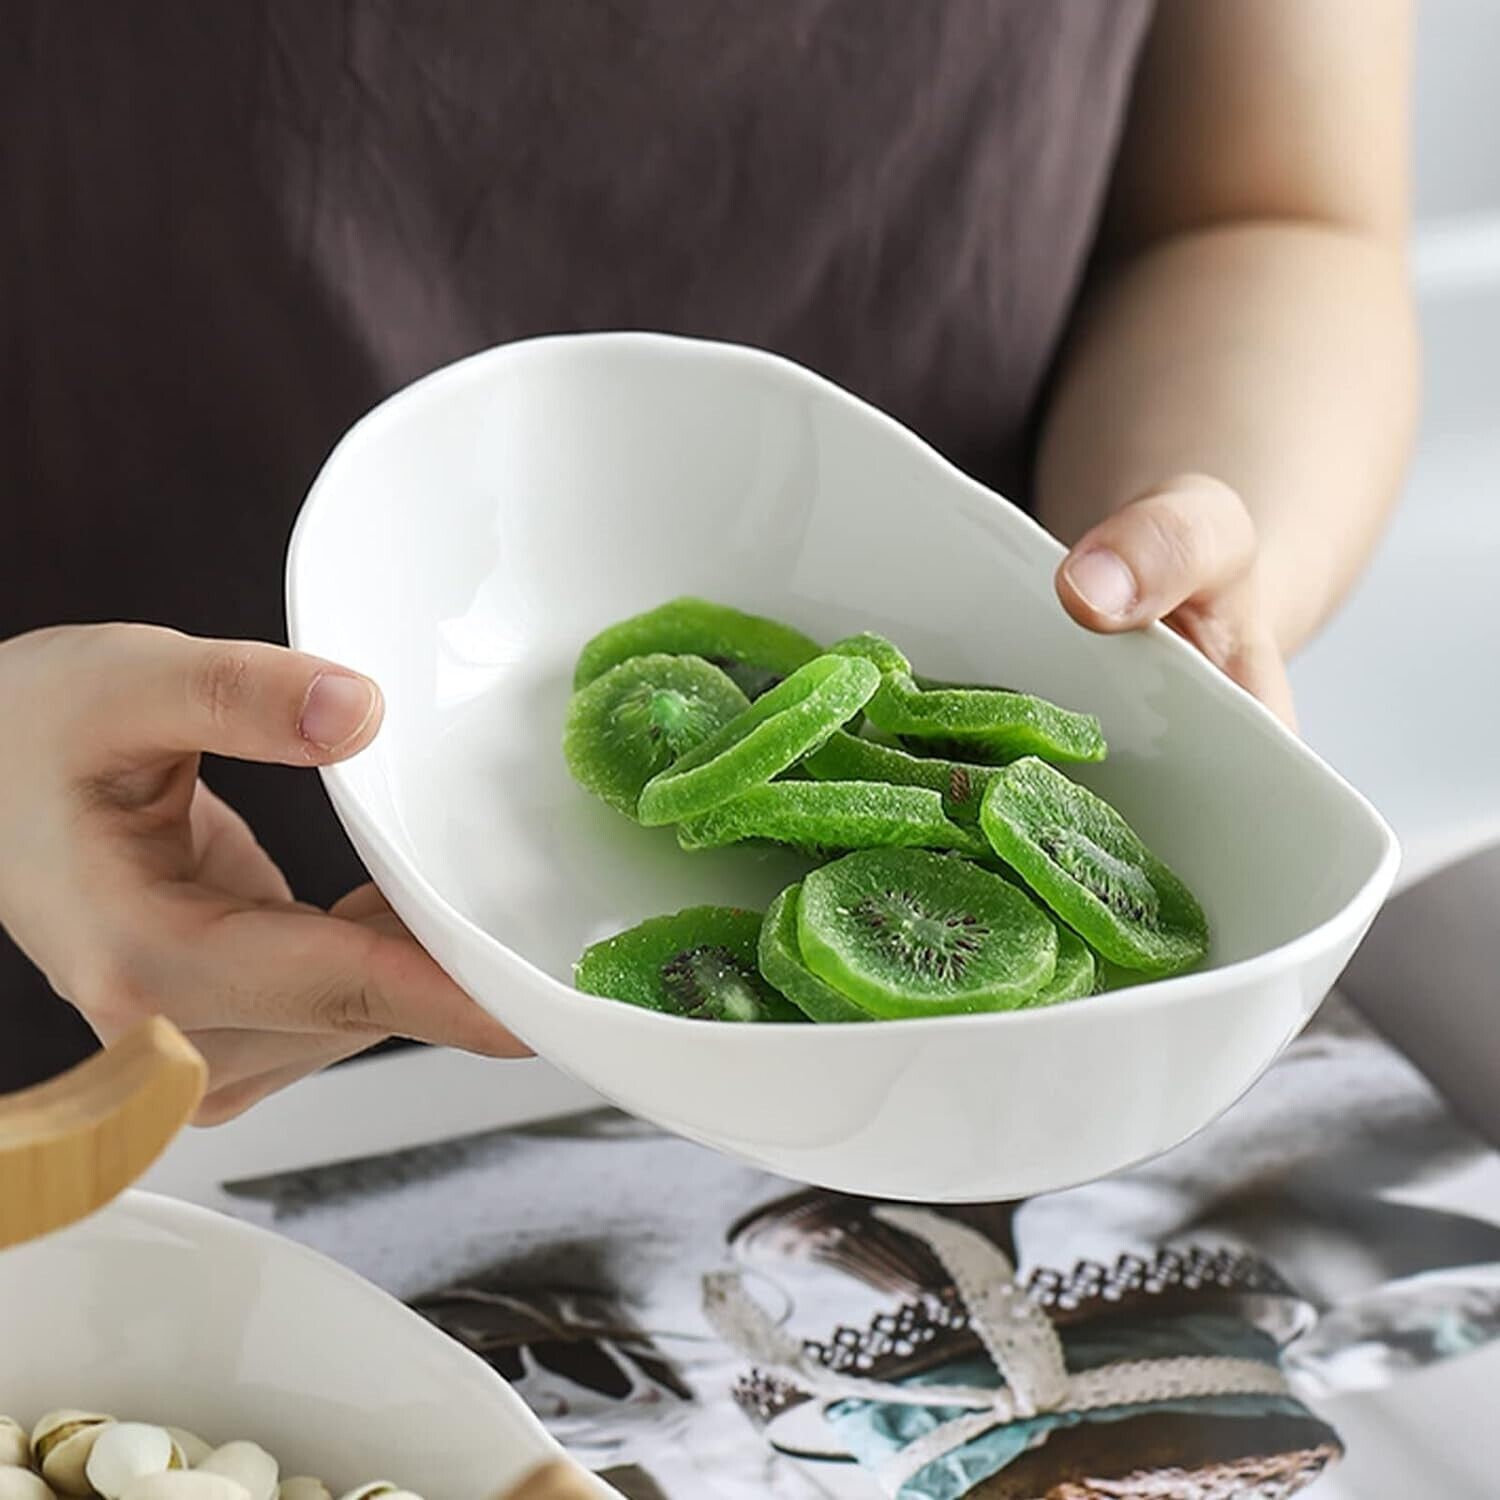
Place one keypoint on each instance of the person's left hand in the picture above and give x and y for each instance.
(1184, 553)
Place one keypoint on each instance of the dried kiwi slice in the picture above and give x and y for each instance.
(983, 723)
(775, 732)
(781, 964)
(905, 932)
(828, 815)
(1076, 974)
(641, 716)
(850, 757)
(700, 963)
(1085, 861)
(873, 648)
(754, 651)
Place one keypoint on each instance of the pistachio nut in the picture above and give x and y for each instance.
(60, 1446)
(248, 1464)
(301, 1487)
(376, 1489)
(191, 1449)
(184, 1484)
(17, 1483)
(56, 1425)
(124, 1452)
(15, 1445)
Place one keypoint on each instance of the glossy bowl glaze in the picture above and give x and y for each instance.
(160, 1311)
(463, 541)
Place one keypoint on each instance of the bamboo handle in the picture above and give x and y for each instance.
(559, 1480)
(70, 1145)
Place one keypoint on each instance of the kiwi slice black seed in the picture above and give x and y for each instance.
(781, 963)
(905, 932)
(755, 651)
(983, 724)
(851, 757)
(1086, 862)
(639, 717)
(701, 963)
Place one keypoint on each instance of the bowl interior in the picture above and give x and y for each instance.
(162, 1312)
(467, 537)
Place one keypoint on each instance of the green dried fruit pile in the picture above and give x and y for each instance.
(957, 869)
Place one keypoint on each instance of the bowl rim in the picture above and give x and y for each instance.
(1148, 995)
(208, 1227)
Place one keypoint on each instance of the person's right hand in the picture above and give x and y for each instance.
(138, 892)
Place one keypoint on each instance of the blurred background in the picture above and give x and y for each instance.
(1401, 694)
(1417, 643)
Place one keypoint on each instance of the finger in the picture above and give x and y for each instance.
(1258, 667)
(362, 903)
(228, 1103)
(304, 971)
(1262, 671)
(369, 908)
(1231, 632)
(233, 1055)
(1190, 538)
(228, 856)
(147, 691)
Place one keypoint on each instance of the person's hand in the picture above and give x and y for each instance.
(138, 892)
(1186, 554)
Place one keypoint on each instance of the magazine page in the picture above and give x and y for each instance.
(1320, 1237)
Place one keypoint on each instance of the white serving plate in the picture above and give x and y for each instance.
(466, 537)
(160, 1311)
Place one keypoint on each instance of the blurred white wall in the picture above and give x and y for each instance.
(1457, 109)
(1422, 620)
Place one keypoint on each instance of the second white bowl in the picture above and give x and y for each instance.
(156, 1311)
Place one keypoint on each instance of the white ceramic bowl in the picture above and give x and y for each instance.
(463, 541)
(160, 1311)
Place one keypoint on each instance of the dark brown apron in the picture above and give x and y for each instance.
(227, 230)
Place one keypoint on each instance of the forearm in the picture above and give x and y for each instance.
(1279, 357)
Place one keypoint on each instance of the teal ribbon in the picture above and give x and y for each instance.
(876, 1431)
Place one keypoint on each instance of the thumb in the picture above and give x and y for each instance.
(1189, 539)
(148, 691)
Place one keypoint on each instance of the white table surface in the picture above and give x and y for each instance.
(1417, 645)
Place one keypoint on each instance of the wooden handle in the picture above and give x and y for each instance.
(70, 1145)
(559, 1480)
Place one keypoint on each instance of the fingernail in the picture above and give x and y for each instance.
(337, 707)
(1103, 582)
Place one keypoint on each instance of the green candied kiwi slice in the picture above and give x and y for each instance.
(850, 757)
(824, 815)
(1075, 976)
(700, 963)
(774, 733)
(1087, 863)
(873, 648)
(905, 932)
(983, 723)
(879, 652)
(782, 966)
(639, 717)
(754, 651)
